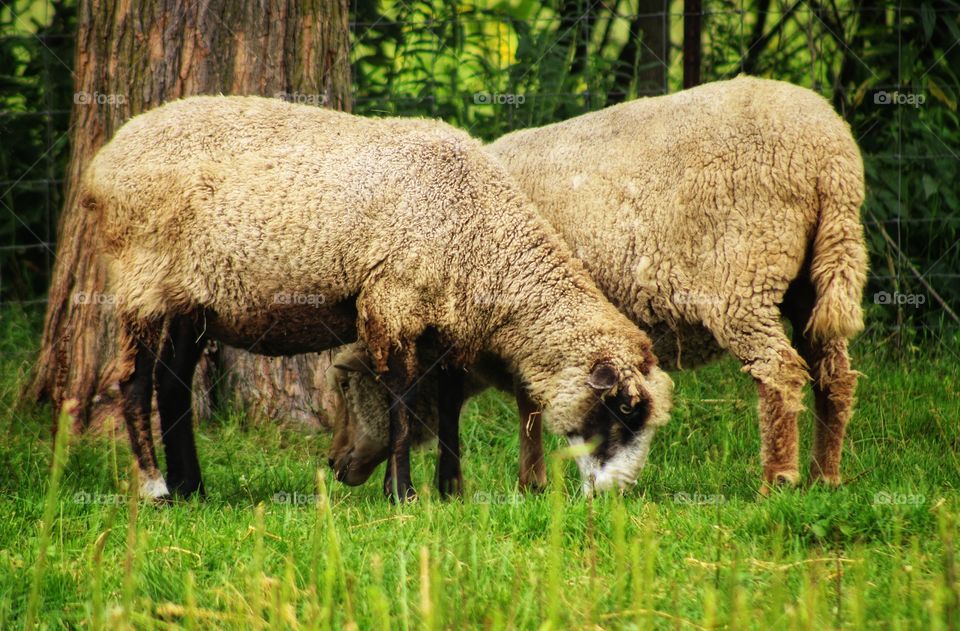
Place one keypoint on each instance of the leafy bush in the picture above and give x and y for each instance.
(36, 50)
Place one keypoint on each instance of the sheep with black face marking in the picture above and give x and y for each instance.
(287, 229)
(705, 216)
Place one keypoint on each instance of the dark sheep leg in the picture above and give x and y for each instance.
(533, 471)
(449, 404)
(399, 380)
(178, 360)
(137, 394)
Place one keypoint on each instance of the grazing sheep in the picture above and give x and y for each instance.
(286, 229)
(361, 442)
(704, 216)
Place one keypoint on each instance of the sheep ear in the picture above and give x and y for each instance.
(603, 376)
(352, 360)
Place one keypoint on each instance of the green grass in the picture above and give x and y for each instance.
(691, 546)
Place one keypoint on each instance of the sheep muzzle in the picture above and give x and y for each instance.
(622, 424)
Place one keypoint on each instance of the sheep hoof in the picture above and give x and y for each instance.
(187, 489)
(785, 479)
(403, 493)
(451, 487)
(821, 479)
(155, 489)
(533, 487)
(780, 480)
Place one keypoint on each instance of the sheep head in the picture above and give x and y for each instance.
(361, 415)
(361, 423)
(624, 408)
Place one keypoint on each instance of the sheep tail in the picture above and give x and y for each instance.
(838, 267)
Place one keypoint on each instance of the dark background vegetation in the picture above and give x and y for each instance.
(472, 64)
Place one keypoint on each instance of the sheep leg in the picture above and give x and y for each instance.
(137, 394)
(533, 472)
(178, 360)
(449, 404)
(400, 380)
(834, 385)
(780, 374)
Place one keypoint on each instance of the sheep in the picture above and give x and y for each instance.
(358, 447)
(706, 215)
(284, 228)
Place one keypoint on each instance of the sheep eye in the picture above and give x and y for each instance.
(344, 385)
(626, 409)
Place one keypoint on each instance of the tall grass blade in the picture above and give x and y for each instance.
(60, 447)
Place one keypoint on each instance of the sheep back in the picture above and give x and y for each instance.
(697, 208)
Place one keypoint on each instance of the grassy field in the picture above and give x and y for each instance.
(693, 546)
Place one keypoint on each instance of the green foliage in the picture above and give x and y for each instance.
(491, 67)
(433, 58)
(912, 152)
(36, 48)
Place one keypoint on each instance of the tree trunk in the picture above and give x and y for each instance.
(643, 60)
(692, 42)
(131, 57)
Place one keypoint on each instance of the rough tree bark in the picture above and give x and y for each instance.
(132, 56)
(645, 54)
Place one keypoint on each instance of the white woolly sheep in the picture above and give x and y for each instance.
(286, 229)
(704, 216)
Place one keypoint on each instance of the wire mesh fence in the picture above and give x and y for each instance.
(492, 67)
(36, 46)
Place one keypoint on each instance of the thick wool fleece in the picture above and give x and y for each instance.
(286, 228)
(695, 212)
